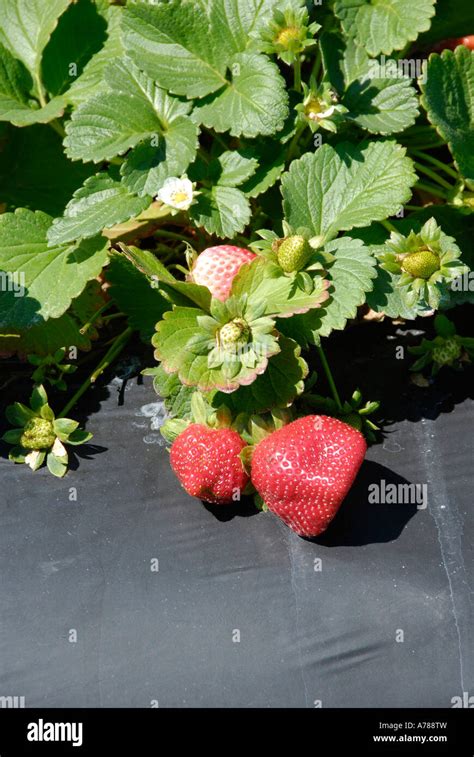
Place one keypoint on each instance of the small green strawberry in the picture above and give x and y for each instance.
(422, 264)
(448, 352)
(447, 348)
(293, 253)
(234, 334)
(38, 434)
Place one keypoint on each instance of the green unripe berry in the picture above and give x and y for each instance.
(421, 265)
(447, 353)
(293, 253)
(234, 334)
(38, 434)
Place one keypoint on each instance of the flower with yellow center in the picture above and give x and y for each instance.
(177, 194)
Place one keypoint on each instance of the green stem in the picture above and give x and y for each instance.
(41, 92)
(434, 176)
(316, 65)
(423, 145)
(329, 376)
(114, 316)
(297, 74)
(58, 127)
(414, 208)
(438, 163)
(165, 234)
(95, 317)
(294, 142)
(114, 352)
(389, 226)
(435, 191)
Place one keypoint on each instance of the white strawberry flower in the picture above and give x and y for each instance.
(323, 114)
(177, 193)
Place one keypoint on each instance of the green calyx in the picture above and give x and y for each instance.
(422, 264)
(293, 253)
(288, 34)
(38, 434)
(426, 261)
(233, 334)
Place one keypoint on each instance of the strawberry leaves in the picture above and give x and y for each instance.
(382, 26)
(339, 188)
(49, 277)
(449, 102)
(199, 51)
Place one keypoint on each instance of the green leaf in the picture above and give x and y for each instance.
(133, 110)
(381, 26)
(232, 168)
(27, 26)
(174, 44)
(38, 399)
(254, 101)
(233, 21)
(176, 396)
(387, 298)
(64, 426)
(351, 274)
(338, 188)
(27, 156)
(224, 211)
(271, 157)
(51, 276)
(16, 105)
(135, 296)
(101, 202)
(18, 414)
(55, 466)
(448, 97)
(380, 103)
(146, 262)
(79, 437)
(91, 80)
(281, 383)
(147, 167)
(382, 106)
(13, 436)
(344, 61)
(80, 34)
(350, 270)
(265, 282)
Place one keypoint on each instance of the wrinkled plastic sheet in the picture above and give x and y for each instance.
(120, 590)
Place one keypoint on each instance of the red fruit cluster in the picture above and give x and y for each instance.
(302, 471)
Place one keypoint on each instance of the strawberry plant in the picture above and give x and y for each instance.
(230, 182)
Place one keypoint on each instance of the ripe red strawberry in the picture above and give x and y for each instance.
(206, 461)
(304, 470)
(216, 267)
(452, 44)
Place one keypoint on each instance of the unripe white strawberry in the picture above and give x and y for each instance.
(216, 267)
